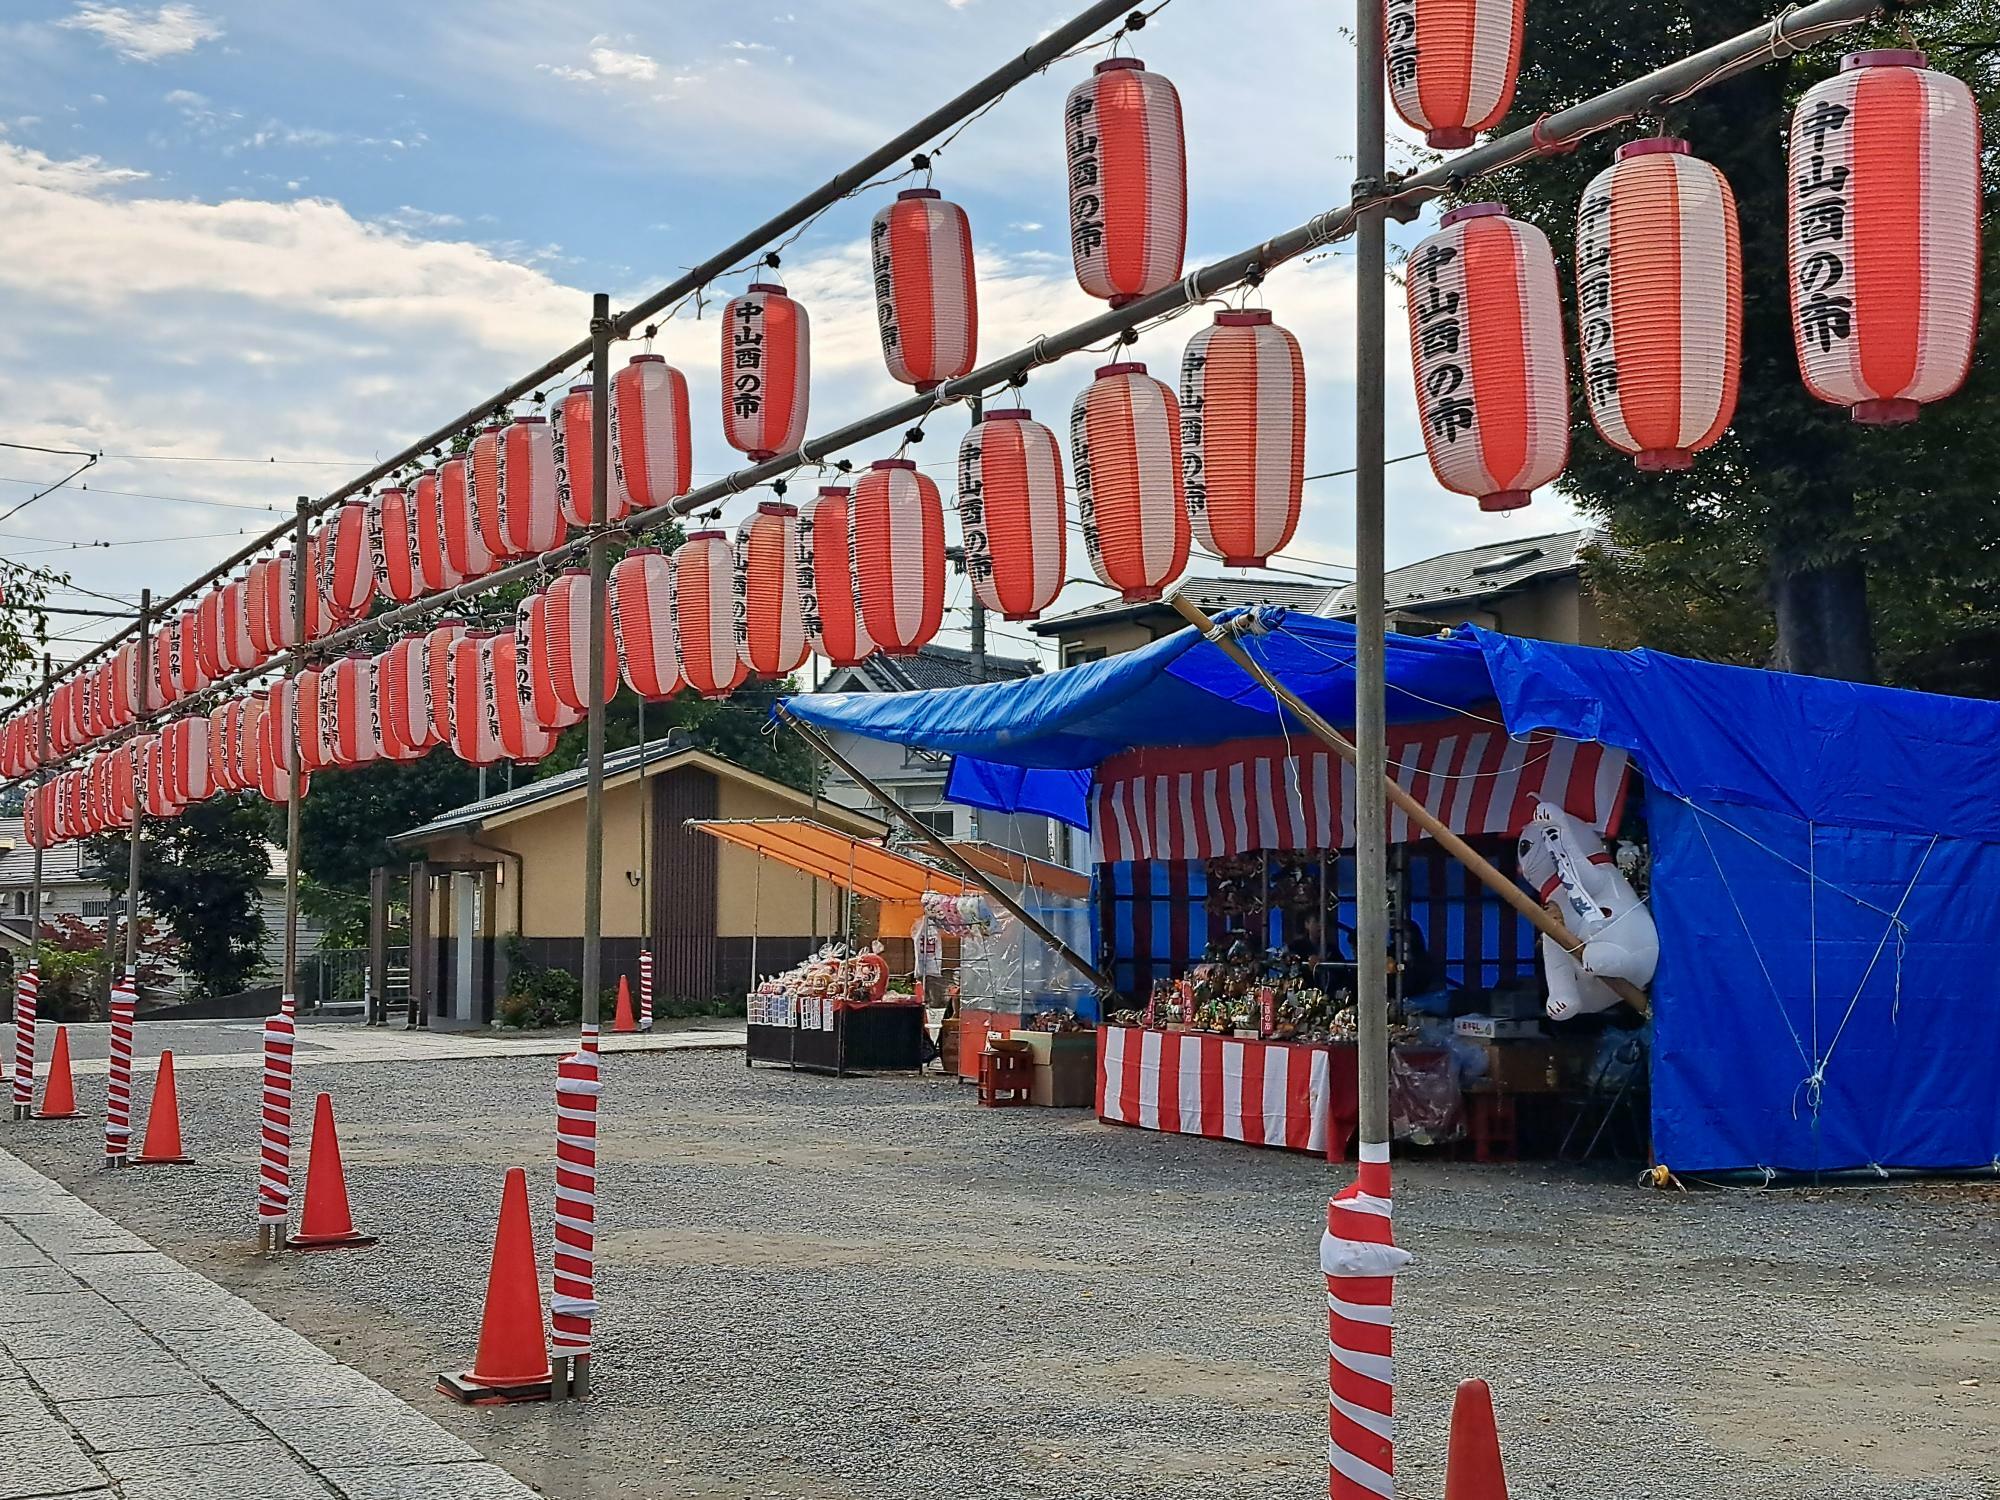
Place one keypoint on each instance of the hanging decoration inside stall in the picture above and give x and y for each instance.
(1010, 513)
(1885, 266)
(1453, 65)
(1127, 181)
(766, 372)
(1243, 436)
(1486, 347)
(1125, 441)
(1659, 284)
(926, 297)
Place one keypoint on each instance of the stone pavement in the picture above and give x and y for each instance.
(124, 1374)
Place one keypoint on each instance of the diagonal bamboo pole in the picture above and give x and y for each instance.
(1490, 876)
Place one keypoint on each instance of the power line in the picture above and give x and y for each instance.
(143, 495)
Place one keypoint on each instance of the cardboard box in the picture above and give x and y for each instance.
(1490, 1028)
(1069, 1082)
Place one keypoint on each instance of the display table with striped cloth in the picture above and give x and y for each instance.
(1297, 1095)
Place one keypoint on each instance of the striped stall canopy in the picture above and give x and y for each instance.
(1188, 1083)
(926, 300)
(1270, 794)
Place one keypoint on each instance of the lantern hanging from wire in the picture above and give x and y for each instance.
(346, 546)
(347, 699)
(770, 623)
(704, 595)
(1125, 441)
(222, 754)
(1243, 436)
(652, 453)
(260, 613)
(827, 599)
(1486, 347)
(435, 572)
(482, 461)
(315, 726)
(896, 550)
(522, 738)
(238, 642)
(766, 374)
(194, 763)
(207, 641)
(124, 785)
(467, 546)
(189, 678)
(530, 517)
(161, 802)
(393, 532)
(475, 725)
(402, 702)
(438, 642)
(569, 642)
(164, 660)
(926, 296)
(642, 619)
(1885, 201)
(245, 739)
(1010, 513)
(274, 729)
(1453, 64)
(570, 440)
(535, 653)
(1127, 181)
(1659, 272)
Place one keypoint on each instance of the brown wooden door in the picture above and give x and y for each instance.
(683, 885)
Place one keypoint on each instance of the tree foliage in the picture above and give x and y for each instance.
(202, 874)
(24, 626)
(1801, 540)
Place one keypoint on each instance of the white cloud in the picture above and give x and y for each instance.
(611, 62)
(141, 35)
(750, 46)
(411, 220)
(568, 75)
(1027, 227)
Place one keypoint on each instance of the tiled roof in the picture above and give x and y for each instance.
(1474, 573)
(1210, 593)
(61, 865)
(931, 667)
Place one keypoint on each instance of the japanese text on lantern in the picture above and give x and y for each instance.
(739, 607)
(809, 609)
(885, 283)
(972, 512)
(1440, 340)
(1086, 202)
(1193, 469)
(1400, 35)
(1593, 292)
(746, 357)
(1079, 450)
(559, 453)
(1819, 230)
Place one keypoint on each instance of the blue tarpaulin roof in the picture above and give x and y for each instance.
(1826, 856)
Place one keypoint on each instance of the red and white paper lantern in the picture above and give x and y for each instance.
(569, 642)
(766, 374)
(438, 642)
(1125, 440)
(346, 545)
(393, 528)
(468, 548)
(1127, 181)
(522, 737)
(570, 440)
(347, 711)
(536, 653)
(1486, 345)
(827, 595)
(652, 454)
(435, 571)
(642, 619)
(926, 297)
(237, 644)
(1659, 274)
(207, 649)
(260, 612)
(896, 546)
(475, 725)
(1010, 512)
(704, 594)
(1453, 64)
(188, 673)
(770, 623)
(1885, 260)
(222, 753)
(402, 699)
(482, 461)
(530, 517)
(1243, 436)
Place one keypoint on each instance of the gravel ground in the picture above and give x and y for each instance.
(838, 1289)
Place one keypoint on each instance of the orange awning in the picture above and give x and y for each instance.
(857, 865)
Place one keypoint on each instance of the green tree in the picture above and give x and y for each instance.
(1801, 539)
(24, 626)
(203, 875)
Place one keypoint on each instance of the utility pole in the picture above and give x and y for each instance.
(978, 616)
(24, 1091)
(142, 696)
(300, 582)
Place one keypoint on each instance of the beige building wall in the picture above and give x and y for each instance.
(778, 901)
(1115, 638)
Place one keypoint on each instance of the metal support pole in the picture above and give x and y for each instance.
(1099, 980)
(377, 1009)
(295, 663)
(1371, 815)
(26, 1111)
(141, 697)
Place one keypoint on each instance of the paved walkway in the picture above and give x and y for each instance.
(124, 1374)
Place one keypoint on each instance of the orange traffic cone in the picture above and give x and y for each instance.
(513, 1359)
(59, 1093)
(1472, 1468)
(624, 1021)
(327, 1222)
(163, 1121)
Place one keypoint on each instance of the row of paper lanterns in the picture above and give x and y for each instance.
(1884, 263)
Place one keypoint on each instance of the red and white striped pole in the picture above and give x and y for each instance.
(26, 998)
(645, 989)
(573, 1294)
(1359, 1256)
(274, 1168)
(118, 1086)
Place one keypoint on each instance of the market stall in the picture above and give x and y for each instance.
(1809, 860)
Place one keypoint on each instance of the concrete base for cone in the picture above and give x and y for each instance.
(353, 1239)
(462, 1388)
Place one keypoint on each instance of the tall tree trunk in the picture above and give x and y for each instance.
(1824, 628)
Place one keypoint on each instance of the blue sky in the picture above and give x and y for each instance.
(256, 228)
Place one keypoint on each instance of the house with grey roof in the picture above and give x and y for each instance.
(1530, 586)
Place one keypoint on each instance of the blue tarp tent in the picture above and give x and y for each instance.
(1826, 856)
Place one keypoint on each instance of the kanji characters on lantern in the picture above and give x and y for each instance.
(766, 375)
(1127, 181)
(827, 595)
(770, 626)
(1010, 513)
(1125, 442)
(704, 594)
(652, 453)
(926, 298)
(896, 546)
(642, 617)
(1243, 436)
(1453, 64)
(1884, 235)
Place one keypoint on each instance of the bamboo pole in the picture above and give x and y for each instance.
(1490, 876)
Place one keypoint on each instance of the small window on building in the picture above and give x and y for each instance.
(20, 903)
(1076, 655)
(938, 820)
(96, 910)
